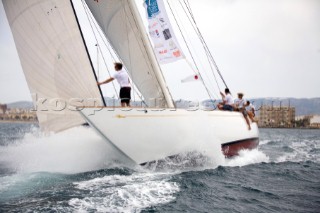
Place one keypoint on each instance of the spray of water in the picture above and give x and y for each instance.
(247, 157)
(73, 151)
(80, 149)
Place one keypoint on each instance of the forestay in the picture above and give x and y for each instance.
(121, 24)
(54, 60)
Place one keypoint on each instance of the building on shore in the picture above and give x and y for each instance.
(277, 116)
(16, 114)
(315, 122)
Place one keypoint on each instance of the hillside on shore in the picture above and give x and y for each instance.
(304, 106)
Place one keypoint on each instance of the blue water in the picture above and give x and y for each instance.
(75, 172)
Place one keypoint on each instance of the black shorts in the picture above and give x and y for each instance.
(125, 94)
(227, 107)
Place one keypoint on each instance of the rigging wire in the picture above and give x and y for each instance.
(205, 50)
(98, 64)
(103, 38)
(98, 28)
(204, 42)
(206, 88)
(98, 47)
(211, 85)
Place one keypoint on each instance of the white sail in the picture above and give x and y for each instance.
(122, 25)
(54, 60)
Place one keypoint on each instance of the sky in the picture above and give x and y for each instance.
(263, 48)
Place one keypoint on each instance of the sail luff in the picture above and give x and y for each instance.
(85, 45)
(151, 54)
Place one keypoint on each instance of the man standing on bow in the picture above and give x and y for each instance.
(124, 82)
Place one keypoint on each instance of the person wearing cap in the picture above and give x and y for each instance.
(239, 102)
(240, 105)
(124, 82)
(227, 101)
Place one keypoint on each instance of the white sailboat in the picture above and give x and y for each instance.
(57, 67)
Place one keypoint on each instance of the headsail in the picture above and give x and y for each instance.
(122, 25)
(54, 60)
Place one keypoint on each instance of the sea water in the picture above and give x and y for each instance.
(75, 171)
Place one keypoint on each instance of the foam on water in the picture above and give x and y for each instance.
(76, 150)
(119, 193)
(247, 157)
(301, 151)
(263, 142)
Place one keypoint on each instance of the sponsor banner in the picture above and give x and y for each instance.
(165, 43)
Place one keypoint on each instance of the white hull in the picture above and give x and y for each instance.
(148, 135)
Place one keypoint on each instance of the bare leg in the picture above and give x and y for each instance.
(248, 122)
(245, 115)
(251, 116)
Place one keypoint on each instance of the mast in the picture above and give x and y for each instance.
(151, 54)
(85, 45)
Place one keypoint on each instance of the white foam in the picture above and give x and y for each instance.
(301, 152)
(247, 157)
(263, 142)
(299, 148)
(76, 150)
(119, 193)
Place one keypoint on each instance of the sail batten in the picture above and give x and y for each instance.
(54, 60)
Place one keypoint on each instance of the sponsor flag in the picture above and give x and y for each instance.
(194, 77)
(165, 43)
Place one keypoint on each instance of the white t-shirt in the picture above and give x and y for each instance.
(240, 102)
(122, 78)
(228, 99)
(250, 107)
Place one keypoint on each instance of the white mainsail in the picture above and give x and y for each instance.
(54, 60)
(122, 25)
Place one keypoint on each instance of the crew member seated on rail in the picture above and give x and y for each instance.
(227, 101)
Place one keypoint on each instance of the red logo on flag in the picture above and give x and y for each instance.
(177, 53)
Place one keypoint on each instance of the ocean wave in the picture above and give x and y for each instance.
(119, 193)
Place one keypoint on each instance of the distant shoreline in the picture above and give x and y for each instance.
(16, 121)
